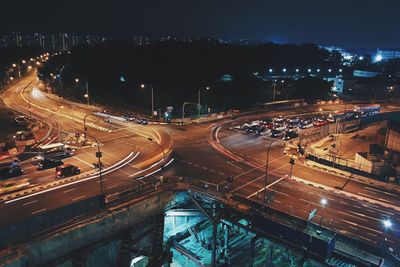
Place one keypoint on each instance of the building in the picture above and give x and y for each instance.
(384, 55)
(365, 73)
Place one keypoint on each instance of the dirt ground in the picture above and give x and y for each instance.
(359, 141)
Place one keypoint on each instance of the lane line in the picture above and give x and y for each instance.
(74, 199)
(38, 211)
(69, 190)
(81, 160)
(268, 186)
(28, 203)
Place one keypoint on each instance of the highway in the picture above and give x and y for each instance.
(125, 148)
(244, 156)
(210, 152)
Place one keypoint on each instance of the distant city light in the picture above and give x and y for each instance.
(122, 79)
(284, 70)
(318, 70)
(330, 70)
(340, 70)
(270, 70)
(309, 70)
(297, 70)
(361, 58)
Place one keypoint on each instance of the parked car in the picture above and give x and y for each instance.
(320, 122)
(276, 133)
(67, 170)
(290, 135)
(48, 163)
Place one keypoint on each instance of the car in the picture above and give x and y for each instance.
(67, 170)
(7, 173)
(48, 163)
(290, 135)
(253, 128)
(320, 122)
(306, 125)
(279, 119)
(276, 133)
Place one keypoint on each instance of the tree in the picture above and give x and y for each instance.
(311, 89)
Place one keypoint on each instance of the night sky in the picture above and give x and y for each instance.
(346, 23)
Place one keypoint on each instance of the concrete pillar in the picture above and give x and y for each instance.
(214, 246)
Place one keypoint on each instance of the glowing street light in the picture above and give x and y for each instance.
(324, 202)
(14, 65)
(318, 70)
(297, 70)
(76, 80)
(152, 97)
(329, 70)
(309, 70)
(340, 70)
(284, 69)
(387, 224)
(23, 61)
(270, 70)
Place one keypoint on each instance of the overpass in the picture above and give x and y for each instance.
(179, 219)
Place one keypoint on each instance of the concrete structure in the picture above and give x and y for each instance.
(367, 163)
(365, 73)
(393, 136)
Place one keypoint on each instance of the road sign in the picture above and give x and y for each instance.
(312, 214)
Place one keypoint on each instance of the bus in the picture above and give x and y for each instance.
(366, 110)
(55, 150)
(342, 115)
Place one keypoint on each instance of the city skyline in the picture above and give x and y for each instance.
(349, 25)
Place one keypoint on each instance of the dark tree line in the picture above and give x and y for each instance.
(178, 70)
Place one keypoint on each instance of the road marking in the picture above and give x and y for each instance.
(113, 186)
(28, 203)
(369, 196)
(268, 186)
(115, 167)
(380, 191)
(74, 199)
(230, 163)
(352, 215)
(69, 190)
(81, 160)
(38, 211)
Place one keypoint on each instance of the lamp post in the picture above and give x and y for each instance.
(87, 91)
(387, 225)
(183, 109)
(199, 97)
(152, 97)
(324, 202)
(160, 146)
(266, 172)
(98, 156)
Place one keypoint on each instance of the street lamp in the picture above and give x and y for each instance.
(98, 156)
(152, 97)
(199, 97)
(87, 91)
(266, 172)
(387, 225)
(324, 202)
(162, 149)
